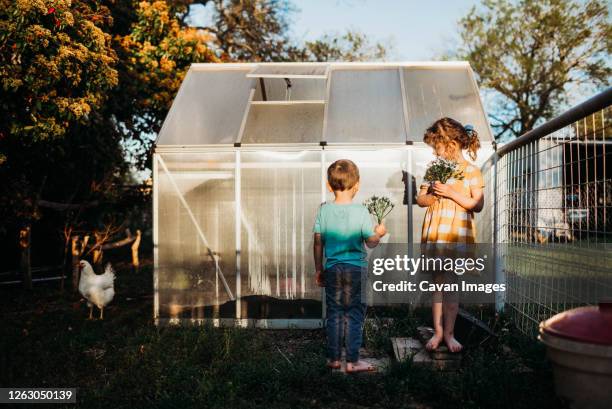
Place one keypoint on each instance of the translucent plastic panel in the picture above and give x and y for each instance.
(365, 105)
(196, 230)
(289, 70)
(208, 108)
(484, 230)
(434, 93)
(421, 156)
(381, 175)
(280, 193)
(284, 123)
(301, 89)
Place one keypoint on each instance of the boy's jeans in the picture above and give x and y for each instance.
(343, 299)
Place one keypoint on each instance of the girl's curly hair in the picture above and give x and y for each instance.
(446, 130)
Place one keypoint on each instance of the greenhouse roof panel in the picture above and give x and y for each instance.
(336, 103)
(208, 108)
(432, 94)
(365, 105)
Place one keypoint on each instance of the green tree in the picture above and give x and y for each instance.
(56, 66)
(532, 53)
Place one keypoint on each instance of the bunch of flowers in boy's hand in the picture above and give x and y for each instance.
(441, 170)
(379, 207)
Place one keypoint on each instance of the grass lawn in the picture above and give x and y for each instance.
(127, 362)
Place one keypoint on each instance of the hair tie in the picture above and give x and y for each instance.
(469, 129)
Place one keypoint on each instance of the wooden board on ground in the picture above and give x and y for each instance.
(411, 348)
(442, 357)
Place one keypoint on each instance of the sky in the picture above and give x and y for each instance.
(417, 30)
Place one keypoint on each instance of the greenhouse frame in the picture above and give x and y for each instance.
(239, 170)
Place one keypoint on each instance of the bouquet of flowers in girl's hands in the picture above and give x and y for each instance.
(442, 170)
(379, 207)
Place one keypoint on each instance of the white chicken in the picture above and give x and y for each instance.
(98, 289)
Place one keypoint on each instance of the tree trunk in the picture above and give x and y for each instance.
(97, 258)
(97, 252)
(135, 245)
(25, 265)
(67, 244)
(77, 248)
(74, 250)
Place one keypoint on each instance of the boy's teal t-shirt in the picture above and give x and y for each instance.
(344, 228)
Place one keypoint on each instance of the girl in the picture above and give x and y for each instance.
(450, 210)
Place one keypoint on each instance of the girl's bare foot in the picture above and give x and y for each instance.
(452, 344)
(359, 366)
(334, 364)
(433, 342)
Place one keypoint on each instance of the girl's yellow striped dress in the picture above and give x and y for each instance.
(447, 222)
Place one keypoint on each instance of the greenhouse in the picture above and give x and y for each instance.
(240, 168)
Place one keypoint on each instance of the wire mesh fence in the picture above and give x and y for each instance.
(551, 218)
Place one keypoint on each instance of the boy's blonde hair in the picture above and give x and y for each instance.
(342, 175)
(447, 129)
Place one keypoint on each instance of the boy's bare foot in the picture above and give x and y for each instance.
(433, 342)
(359, 366)
(452, 344)
(334, 364)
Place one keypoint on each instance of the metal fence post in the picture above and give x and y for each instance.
(497, 264)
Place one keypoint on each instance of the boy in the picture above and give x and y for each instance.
(342, 227)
